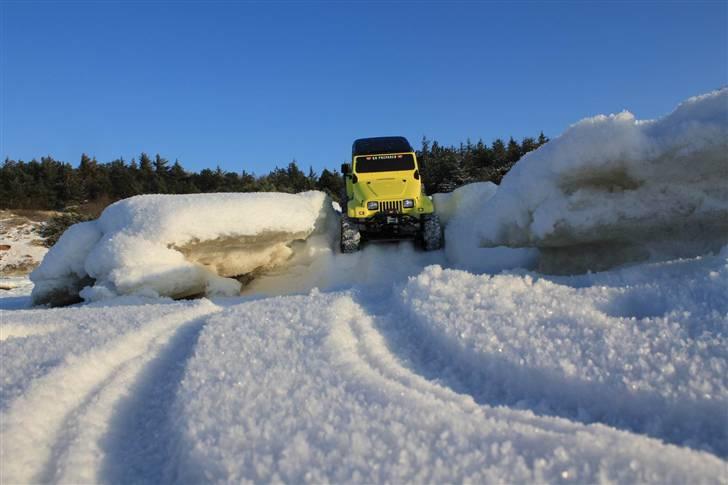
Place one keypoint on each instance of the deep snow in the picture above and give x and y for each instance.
(614, 189)
(441, 376)
(389, 365)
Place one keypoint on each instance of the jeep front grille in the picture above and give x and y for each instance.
(390, 206)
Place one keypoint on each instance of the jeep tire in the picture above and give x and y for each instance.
(432, 237)
(350, 236)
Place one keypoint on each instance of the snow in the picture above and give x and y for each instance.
(171, 245)
(391, 364)
(458, 210)
(343, 406)
(68, 370)
(442, 375)
(616, 189)
(639, 349)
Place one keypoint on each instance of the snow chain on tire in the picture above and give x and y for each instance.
(432, 237)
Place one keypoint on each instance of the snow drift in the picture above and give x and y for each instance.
(177, 245)
(613, 188)
(457, 211)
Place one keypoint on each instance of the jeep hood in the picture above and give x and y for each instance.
(389, 188)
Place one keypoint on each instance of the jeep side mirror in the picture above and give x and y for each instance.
(346, 168)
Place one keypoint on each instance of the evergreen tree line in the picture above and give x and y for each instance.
(446, 168)
(55, 185)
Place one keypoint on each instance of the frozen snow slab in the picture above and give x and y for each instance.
(614, 182)
(177, 245)
(457, 211)
(309, 389)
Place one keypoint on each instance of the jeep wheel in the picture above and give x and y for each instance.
(350, 236)
(432, 238)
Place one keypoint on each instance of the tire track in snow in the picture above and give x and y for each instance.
(141, 444)
(360, 344)
(495, 382)
(366, 342)
(8, 331)
(64, 411)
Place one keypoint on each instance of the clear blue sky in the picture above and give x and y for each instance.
(254, 85)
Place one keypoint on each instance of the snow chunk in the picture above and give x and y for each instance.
(457, 211)
(177, 245)
(612, 182)
(467, 198)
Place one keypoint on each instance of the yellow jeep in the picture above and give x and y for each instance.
(385, 197)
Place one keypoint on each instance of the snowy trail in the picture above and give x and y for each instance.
(342, 406)
(51, 433)
(422, 374)
(520, 345)
(140, 444)
(30, 352)
(493, 380)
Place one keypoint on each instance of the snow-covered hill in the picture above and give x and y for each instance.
(392, 364)
(21, 246)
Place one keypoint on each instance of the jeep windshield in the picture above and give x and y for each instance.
(384, 163)
(379, 145)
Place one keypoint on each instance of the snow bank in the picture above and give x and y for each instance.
(457, 211)
(618, 188)
(177, 245)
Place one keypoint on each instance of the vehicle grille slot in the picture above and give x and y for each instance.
(390, 206)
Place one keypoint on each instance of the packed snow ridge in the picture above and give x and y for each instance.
(613, 188)
(177, 246)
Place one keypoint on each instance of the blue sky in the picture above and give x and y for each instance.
(254, 85)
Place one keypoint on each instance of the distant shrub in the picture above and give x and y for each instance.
(52, 229)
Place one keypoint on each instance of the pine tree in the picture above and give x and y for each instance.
(513, 151)
(332, 183)
(528, 145)
(248, 182)
(498, 149)
(311, 179)
(145, 174)
(180, 181)
(123, 182)
(542, 139)
(91, 178)
(161, 175)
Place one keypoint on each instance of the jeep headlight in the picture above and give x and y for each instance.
(408, 203)
(372, 205)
